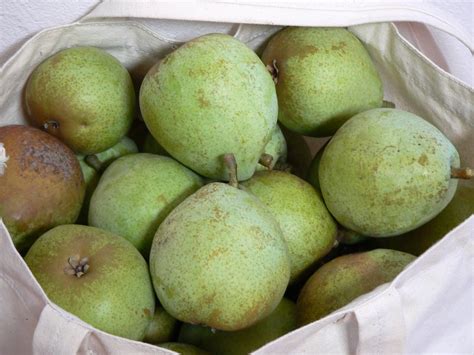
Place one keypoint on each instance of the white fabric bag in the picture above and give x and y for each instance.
(428, 308)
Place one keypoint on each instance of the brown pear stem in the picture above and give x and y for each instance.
(231, 164)
(266, 160)
(93, 162)
(462, 173)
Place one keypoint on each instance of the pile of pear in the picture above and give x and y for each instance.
(192, 213)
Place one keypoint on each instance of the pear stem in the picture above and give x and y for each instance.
(266, 160)
(93, 162)
(462, 173)
(77, 266)
(231, 164)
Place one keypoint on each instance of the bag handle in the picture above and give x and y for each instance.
(56, 334)
(296, 13)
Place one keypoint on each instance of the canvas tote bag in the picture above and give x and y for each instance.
(428, 308)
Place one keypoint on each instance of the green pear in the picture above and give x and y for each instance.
(136, 193)
(83, 96)
(241, 342)
(161, 328)
(97, 276)
(323, 77)
(275, 151)
(219, 259)
(307, 226)
(41, 184)
(386, 172)
(210, 97)
(348, 237)
(345, 278)
(93, 165)
(184, 349)
(419, 240)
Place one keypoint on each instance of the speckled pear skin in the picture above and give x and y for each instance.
(308, 228)
(386, 172)
(41, 185)
(210, 97)
(277, 148)
(417, 241)
(219, 259)
(115, 295)
(183, 349)
(345, 278)
(242, 342)
(88, 93)
(136, 193)
(162, 327)
(325, 76)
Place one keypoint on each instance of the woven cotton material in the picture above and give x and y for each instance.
(428, 308)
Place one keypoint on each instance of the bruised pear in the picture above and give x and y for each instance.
(136, 193)
(41, 184)
(345, 278)
(242, 342)
(210, 97)
(83, 96)
(308, 228)
(323, 77)
(219, 259)
(97, 276)
(386, 172)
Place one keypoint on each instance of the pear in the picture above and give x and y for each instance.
(97, 276)
(83, 96)
(319, 75)
(41, 184)
(345, 278)
(386, 172)
(184, 349)
(161, 328)
(219, 259)
(92, 166)
(308, 228)
(210, 97)
(136, 193)
(417, 241)
(275, 151)
(281, 321)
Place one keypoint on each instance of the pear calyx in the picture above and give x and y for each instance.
(77, 266)
(273, 69)
(266, 160)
